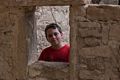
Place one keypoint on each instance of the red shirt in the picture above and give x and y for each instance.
(56, 55)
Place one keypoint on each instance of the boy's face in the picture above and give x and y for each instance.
(54, 36)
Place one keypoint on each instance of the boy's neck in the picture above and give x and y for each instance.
(58, 46)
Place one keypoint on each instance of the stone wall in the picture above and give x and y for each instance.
(48, 71)
(98, 38)
(13, 58)
(96, 43)
(105, 1)
(94, 39)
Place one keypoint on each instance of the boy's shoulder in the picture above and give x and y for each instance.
(47, 48)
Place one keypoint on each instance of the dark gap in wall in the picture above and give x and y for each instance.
(96, 1)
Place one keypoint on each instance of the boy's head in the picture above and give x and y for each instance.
(53, 26)
(53, 34)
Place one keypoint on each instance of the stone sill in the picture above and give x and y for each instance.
(48, 69)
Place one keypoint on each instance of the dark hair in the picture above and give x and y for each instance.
(53, 26)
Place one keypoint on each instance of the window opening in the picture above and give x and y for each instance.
(45, 15)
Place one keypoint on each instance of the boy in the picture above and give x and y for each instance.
(58, 51)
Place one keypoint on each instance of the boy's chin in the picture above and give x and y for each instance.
(55, 44)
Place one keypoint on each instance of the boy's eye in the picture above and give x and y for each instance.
(55, 34)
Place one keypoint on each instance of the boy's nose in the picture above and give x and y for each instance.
(53, 36)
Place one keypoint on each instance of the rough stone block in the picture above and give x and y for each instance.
(103, 12)
(103, 51)
(45, 2)
(115, 32)
(48, 69)
(105, 32)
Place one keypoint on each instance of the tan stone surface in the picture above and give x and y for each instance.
(109, 1)
(105, 1)
(115, 31)
(103, 12)
(49, 70)
(10, 51)
(102, 51)
(40, 2)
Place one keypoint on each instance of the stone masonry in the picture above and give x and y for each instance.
(104, 1)
(94, 40)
